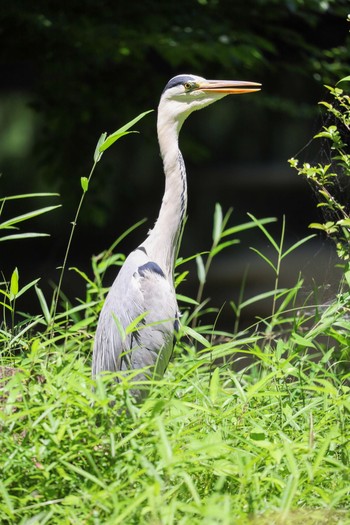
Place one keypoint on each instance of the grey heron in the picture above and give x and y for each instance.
(144, 287)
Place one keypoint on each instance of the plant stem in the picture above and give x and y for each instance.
(64, 264)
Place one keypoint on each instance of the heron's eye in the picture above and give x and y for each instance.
(189, 86)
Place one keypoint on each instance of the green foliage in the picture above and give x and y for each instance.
(103, 143)
(252, 425)
(94, 64)
(220, 242)
(11, 224)
(245, 427)
(327, 178)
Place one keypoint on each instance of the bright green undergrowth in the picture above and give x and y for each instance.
(244, 426)
(247, 426)
(209, 445)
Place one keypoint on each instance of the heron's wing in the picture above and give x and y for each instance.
(140, 291)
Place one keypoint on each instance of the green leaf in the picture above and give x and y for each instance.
(347, 277)
(84, 474)
(224, 245)
(217, 226)
(27, 286)
(296, 245)
(187, 330)
(121, 132)
(260, 224)
(214, 385)
(257, 434)
(28, 195)
(98, 153)
(185, 299)
(180, 260)
(266, 259)
(122, 236)
(261, 297)
(181, 277)
(247, 226)
(345, 79)
(14, 283)
(302, 341)
(83, 275)
(111, 139)
(16, 236)
(43, 304)
(134, 326)
(20, 218)
(200, 269)
(84, 183)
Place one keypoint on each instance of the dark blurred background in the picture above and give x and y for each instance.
(68, 74)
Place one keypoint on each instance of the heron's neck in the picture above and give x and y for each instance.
(162, 241)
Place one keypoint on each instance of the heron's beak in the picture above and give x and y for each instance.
(233, 87)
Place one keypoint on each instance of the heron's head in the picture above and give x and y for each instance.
(186, 93)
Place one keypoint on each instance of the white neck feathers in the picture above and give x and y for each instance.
(162, 240)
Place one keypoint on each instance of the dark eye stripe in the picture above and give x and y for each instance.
(176, 81)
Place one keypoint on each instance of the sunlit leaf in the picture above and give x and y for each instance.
(97, 152)
(84, 183)
(14, 283)
(200, 269)
(26, 216)
(217, 226)
(16, 236)
(121, 132)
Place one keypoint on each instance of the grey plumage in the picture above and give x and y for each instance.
(144, 289)
(140, 288)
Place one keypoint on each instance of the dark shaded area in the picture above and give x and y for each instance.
(70, 73)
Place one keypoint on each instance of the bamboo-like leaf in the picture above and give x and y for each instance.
(83, 275)
(14, 284)
(247, 225)
(302, 341)
(296, 245)
(180, 260)
(28, 196)
(217, 226)
(111, 139)
(185, 299)
(187, 330)
(121, 132)
(214, 385)
(44, 307)
(261, 297)
(134, 325)
(165, 446)
(7, 500)
(288, 495)
(84, 181)
(266, 259)
(16, 236)
(200, 269)
(27, 287)
(260, 224)
(224, 245)
(29, 215)
(181, 277)
(347, 277)
(97, 152)
(345, 79)
(84, 474)
(123, 235)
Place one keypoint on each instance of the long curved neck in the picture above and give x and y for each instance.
(163, 239)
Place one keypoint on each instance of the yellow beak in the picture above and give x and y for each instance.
(233, 87)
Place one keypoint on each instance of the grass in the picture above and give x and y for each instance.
(249, 427)
(243, 428)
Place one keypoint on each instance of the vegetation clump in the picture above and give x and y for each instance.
(247, 426)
